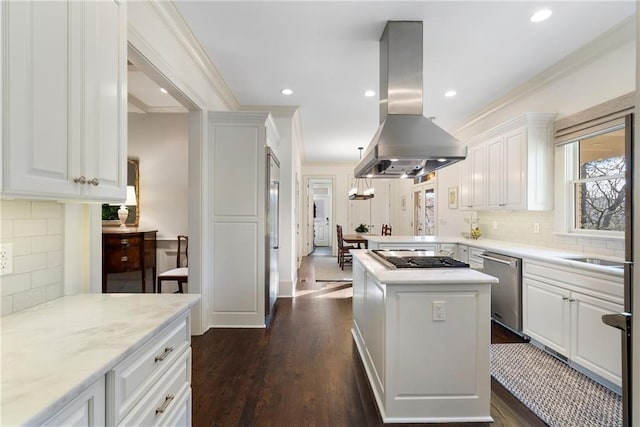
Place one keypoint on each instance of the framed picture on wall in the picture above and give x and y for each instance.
(453, 197)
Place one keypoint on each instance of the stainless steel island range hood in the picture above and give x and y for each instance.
(406, 144)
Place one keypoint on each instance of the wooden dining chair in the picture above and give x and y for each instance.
(386, 230)
(344, 256)
(179, 274)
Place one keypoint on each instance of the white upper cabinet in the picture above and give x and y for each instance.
(64, 68)
(473, 178)
(510, 167)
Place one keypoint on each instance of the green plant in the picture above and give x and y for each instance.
(109, 212)
(362, 228)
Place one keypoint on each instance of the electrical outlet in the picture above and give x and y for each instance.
(536, 227)
(6, 258)
(439, 312)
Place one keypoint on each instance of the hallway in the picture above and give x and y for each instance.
(302, 371)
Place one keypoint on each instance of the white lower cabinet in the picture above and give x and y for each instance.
(152, 386)
(88, 409)
(547, 315)
(568, 319)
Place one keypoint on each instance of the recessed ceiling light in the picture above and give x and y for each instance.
(286, 91)
(541, 15)
(163, 90)
(369, 93)
(450, 93)
(442, 160)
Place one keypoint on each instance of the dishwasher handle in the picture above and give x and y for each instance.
(498, 260)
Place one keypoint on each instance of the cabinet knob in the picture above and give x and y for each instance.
(80, 180)
(124, 258)
(571, 300)
(93, 182)
(565, 298)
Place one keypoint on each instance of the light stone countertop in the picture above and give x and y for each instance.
(417, 276)
(52, 351)
(520, 250)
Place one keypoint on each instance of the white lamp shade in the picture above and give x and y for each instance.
(131, 196)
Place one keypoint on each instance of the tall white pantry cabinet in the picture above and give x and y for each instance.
(64, 93)
(238, 146)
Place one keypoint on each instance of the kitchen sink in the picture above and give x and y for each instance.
(598, 261)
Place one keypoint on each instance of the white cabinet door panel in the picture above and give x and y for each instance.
(595, 345)
(546, 315)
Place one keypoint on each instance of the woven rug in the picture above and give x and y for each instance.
(555, 392)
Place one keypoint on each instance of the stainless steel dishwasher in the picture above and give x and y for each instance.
(506, 295)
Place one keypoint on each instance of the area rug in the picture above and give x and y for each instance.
(555, 392)
(327, 270)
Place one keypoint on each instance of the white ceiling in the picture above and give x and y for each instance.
(327, 52)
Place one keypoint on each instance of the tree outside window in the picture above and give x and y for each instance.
(599, 187)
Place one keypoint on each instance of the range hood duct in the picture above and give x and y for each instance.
(406, 144)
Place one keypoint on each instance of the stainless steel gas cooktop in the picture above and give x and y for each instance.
(412, 258)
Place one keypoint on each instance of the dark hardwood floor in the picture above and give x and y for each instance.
(304, 370)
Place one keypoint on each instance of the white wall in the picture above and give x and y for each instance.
(35, 230)
(161, 143)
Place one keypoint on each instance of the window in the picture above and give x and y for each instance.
(597, 175)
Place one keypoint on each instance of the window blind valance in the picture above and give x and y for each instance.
(593, 120)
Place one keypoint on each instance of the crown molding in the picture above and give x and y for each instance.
(137, 103)
(624, 32)
(149, 109)
(175, 21)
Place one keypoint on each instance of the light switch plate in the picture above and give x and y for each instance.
(6, 258)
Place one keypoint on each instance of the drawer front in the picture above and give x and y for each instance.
(596, 284)
(122, 254)
(135, 375)
(166, 398)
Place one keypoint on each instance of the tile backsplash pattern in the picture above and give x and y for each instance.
(36, 231)
(519, 227)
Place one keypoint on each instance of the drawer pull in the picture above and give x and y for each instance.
(565, 298)
(124, 258)
(164, 405)
(124, 241)
(166, 352)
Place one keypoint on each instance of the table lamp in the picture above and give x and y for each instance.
(123, 212)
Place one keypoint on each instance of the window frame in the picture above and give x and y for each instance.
(572, 176)
(603, 118)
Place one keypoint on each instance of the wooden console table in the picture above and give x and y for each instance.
(128, 250)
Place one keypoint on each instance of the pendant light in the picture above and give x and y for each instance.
(362, 189)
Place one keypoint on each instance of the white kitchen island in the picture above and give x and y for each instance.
(423, 336)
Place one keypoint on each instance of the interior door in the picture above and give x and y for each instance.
(321, 214)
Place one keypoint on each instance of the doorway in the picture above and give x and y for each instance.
(320, 214)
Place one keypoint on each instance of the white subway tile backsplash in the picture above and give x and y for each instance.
(6, 305)
(35, 229)
(54, 226)
(46, 243)
(53, 292)
(29, 298)
(46, 277)
(46, 210)
(29, 227)
(29, 263)
(518, 227)
(14, 283)
(15, 209)
(6, 229)
(54, 259)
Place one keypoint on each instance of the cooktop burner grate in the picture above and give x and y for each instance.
(410, 259)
